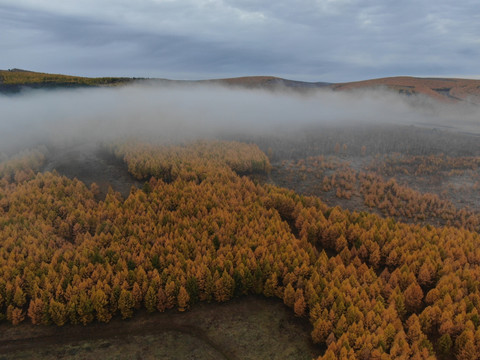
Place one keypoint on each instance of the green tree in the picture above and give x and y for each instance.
(182, 299)
(58, 312)
(126, 303)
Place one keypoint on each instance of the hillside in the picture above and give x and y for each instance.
(270, 81)
(444, 90)
(14, 80)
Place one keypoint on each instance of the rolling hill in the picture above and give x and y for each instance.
(14, 80)
(448, 90)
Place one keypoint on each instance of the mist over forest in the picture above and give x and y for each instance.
(176, 112)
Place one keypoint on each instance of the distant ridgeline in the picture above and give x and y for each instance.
(14, 80)
(443, 90)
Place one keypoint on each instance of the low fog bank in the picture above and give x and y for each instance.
(179, 112)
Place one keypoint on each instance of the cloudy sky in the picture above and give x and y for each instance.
(312, 40)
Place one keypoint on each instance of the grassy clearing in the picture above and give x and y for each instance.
(247, 328)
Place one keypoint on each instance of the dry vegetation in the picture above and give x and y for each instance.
(409, 188)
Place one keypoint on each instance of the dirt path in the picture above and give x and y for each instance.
(72, 335)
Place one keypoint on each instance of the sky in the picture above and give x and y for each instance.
(309, 40)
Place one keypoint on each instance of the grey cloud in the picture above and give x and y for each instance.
(306, 39)
(138, 48)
